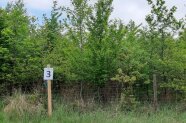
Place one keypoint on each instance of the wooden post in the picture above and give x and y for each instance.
(49, 96)
(155, 101)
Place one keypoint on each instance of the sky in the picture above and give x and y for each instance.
(125, 10)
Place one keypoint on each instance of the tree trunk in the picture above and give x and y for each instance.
(81, 91)
(155, 101)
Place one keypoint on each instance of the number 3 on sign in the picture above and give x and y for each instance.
(48, 73)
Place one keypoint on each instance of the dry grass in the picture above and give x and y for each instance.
(21, 104)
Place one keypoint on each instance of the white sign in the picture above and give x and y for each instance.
(48, 73)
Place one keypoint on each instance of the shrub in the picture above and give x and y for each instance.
(127, 102)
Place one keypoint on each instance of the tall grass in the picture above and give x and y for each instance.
(66, 113)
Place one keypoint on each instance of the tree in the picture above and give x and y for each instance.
(76, 21)
(104, 45)
(52, 28)
(22, 55)
(161, 43)
(5, 58)
(75, 24)
(100, 62)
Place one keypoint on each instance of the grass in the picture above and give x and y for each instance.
(67, 113)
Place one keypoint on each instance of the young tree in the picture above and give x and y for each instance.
(104, 44)
(52, 28)
(5, 58)
(22, 54)
(161, 43)
(98, 44)
(75, 24)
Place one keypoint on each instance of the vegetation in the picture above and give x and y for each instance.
(87, 50)
(65, 113)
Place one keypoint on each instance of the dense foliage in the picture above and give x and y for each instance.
(84, 45)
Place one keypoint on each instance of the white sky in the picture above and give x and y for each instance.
(126, 10)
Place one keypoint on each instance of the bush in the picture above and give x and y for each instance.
(127, 102)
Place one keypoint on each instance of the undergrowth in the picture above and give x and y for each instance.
(22, 108)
